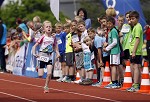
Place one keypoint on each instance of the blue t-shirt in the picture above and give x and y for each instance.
(61, 41)
(103, 41)
(88, 23)
(3, 39)
(98, 41)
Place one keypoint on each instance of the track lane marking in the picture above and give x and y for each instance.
(16, 96)
(96, 97)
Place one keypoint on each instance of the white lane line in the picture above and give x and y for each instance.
(17, 97)
(62, 90)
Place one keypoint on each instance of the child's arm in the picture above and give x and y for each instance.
(57, 51)
(34, 49)
(135, 46)
(110, 46)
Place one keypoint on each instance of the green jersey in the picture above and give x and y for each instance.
(136, 32)
(113, 37)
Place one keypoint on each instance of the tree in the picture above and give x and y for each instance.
(27, 10)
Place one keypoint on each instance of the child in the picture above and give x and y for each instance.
(135, 48)
(69, 55)
(88, 58)
(78, 50)
(113, 47)
(46, 41)
(97, 47)
(61, 41)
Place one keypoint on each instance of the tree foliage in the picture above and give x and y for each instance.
(94, 9)
(27, 9)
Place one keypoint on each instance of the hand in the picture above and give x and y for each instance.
(104, 49)
(133, 54)
(105, 44)
(101, 64)
(36, 55)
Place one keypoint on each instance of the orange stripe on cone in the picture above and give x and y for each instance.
(94, 76)
(127, 77)
(77, 76)
(145, 82)
(106, 78)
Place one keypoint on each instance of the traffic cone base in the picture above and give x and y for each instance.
(127, 77)
(145, 82)
(106, 78)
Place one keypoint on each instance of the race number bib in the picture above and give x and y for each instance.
(75, 38)
(59, 41)
(125, 29)
(43, 58)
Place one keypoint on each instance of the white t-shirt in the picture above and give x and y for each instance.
(46, 41)
(85, 48)
(84, 34)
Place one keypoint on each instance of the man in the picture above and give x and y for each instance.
(3, 35)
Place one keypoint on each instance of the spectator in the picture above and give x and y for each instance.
(3, 36)
(83, 14)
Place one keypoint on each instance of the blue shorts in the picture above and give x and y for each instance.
(88, 65)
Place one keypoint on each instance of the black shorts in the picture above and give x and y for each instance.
(105, 59)
(126, 54)
(70, 59)
(62, 58)
(136, 60)
(44, 64)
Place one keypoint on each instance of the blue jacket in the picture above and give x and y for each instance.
(4, 36)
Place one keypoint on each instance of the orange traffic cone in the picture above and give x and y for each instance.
(77, 76)
(106, 78)
(145, 82)
(127, 77)
(94, 76)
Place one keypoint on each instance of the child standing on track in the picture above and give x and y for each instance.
(48, 45)
(135, 48)
(113, 47)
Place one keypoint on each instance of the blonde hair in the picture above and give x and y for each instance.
(67, 25)
(47, 22)
(37, 19)
(78, 18)
(111, 12)
(58, 24)
(87, 38)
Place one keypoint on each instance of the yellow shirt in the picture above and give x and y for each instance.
(68, 43)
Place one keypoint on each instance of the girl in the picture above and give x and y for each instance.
(48, 45)
(87, 58)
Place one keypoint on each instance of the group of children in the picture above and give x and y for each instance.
(79, 48)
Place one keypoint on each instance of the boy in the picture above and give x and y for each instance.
(135, 48)
(69, 55)
(97, 47)
(82, 33)
(114, 48)
(61, 41)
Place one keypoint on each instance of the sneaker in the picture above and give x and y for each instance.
(133, 88)
(97, 84)
(60, 79)
(77, 81)
(46, 89)
(65, 78)
(88, 82)
(112, 85)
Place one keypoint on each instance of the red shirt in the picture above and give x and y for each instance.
(147, 34)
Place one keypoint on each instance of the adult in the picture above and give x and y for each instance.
(83, 14)
(112, 12)
(3, 35)
(147, 32)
